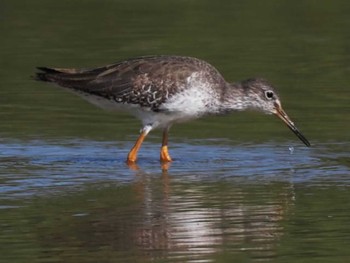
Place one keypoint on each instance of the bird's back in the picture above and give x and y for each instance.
(145, 81)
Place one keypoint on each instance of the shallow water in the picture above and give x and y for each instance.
(77, 201)
(241, 187)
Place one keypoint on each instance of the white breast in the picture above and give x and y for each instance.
(195, 100)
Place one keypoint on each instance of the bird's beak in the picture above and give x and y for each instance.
(284, 117)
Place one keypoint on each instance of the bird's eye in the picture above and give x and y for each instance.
(269, 94)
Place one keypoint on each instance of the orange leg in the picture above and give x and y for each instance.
(164, 154)
(132, 156)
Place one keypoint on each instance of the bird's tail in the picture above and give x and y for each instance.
(46, 74)
(69, 78)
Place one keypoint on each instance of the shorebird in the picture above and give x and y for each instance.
(163, 90)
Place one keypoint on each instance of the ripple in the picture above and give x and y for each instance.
(29, 167)
(216, 197)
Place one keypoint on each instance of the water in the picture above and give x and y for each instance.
(241, 188)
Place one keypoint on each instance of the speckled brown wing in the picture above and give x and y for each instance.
(106, 81)
(146, 81)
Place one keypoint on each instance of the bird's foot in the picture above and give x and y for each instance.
(132, 157)
(132, 166)
(164, 154)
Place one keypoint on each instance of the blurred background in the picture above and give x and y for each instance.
(302, 48)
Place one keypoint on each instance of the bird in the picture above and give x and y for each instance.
(163, 90)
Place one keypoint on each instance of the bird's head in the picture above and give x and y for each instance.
(259, 94)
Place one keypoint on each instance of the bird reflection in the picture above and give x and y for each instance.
(196, 221)
(170, 217)
(163, 166)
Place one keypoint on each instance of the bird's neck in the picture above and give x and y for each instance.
(235, 98)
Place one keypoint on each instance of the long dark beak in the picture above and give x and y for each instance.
(284, 117)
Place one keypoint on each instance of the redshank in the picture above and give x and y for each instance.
(163, 90)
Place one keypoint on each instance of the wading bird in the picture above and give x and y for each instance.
(163, 90)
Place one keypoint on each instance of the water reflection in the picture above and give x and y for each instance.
(163, 219)
(198, 221)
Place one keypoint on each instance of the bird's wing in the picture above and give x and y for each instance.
(147, 81)
(103, 81)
